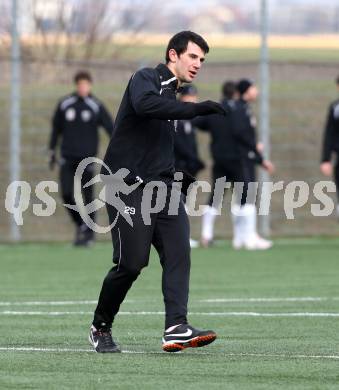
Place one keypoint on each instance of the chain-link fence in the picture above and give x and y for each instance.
(300, 94)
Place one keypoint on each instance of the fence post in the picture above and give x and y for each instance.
(15, 130)
(264, 131)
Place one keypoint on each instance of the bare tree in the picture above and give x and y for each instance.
(52, 24)
(105, 19)
(85, 29)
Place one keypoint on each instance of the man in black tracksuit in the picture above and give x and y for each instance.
(225, 155)
(185, 143)
(142, 143)
(331, 143)
(235, 154)
(76, 121)
(244, 132)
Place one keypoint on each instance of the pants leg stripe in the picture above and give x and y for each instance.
(119, 249)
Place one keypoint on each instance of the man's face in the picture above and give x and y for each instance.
(186, 66)
(252, 93)
(83, 87)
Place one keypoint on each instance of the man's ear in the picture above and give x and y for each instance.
(173, 56)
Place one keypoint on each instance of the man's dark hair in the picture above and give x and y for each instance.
(228, 89)
(180, 41)
(337, 80)
(243, 85)
(82, 75)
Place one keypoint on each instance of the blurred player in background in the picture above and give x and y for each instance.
(331, 144)
(185, 143)
(226, 159)
(244, 211)
(76, 121)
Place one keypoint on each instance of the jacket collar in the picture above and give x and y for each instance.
(80, 97)
(167, 78)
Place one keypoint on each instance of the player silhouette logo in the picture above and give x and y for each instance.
(114, 185)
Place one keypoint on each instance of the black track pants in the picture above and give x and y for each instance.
(235, 171)
(67, 173)
(169, 234)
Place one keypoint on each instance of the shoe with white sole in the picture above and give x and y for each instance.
(179, 337)
(237, 244)
(102, 340)
(258, 243)
(194, 243)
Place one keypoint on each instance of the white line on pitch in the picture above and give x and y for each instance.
(37, 349)
(54, 303)
(250, 300)
(212, 300)
(293, 241)
(152, 313)
(245, 354)
(285, 356)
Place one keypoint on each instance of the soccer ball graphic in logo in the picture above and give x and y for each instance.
(70, 114)
(86, 115)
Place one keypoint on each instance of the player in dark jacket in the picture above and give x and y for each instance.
(331, 144)
(76, 121)
(244, 132)
(235, 153)
(185, 144)
(225, 155)
(142, 142)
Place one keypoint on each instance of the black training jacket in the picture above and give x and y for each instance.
(186, 149)
(331, 133)
(244, 131)
(223, 146)
(76, 121)
(144, 129)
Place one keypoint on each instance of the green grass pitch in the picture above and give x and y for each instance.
(276, 314)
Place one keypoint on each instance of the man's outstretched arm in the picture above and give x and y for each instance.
(148, 102)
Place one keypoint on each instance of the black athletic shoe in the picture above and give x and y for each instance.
(102, 341)
(185, 336)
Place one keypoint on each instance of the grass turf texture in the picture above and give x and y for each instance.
(250, 353)
(146, 53)
(217, 54)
